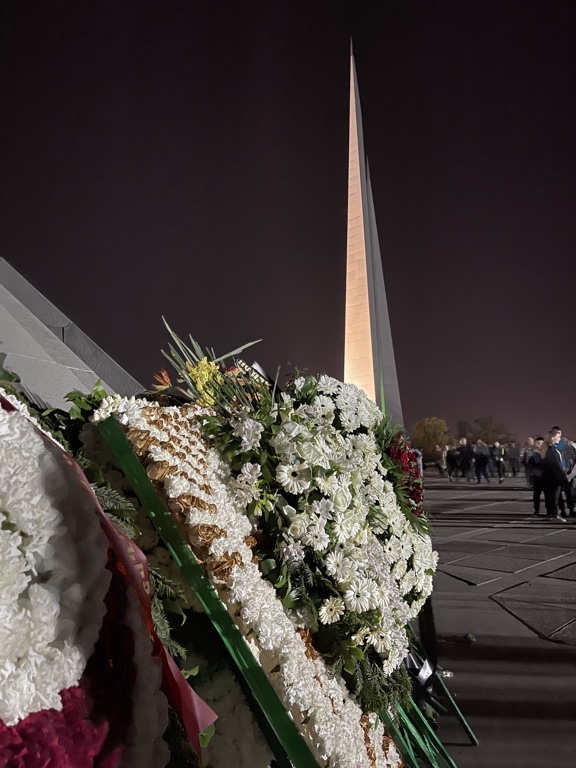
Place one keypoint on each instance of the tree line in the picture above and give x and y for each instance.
(432, 431)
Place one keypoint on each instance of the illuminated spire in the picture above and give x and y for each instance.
(368, 352)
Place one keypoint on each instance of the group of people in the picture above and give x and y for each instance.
(466, 460)
(549, 464)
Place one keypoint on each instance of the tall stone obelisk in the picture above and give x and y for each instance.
(368, 351)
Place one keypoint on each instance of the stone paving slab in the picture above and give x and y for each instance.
(517, 689)
(544, 590)
(543, 619)
(474, 576)
(566, 635)
(444, 558)
(568, 572)
(536, 553)
(513, 535)
(562, 538)
(464, 545)
(497, 562)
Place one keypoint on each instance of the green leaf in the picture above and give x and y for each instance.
(5, 374)
(267, 566)
(174, 607)
(350, 665)
(206, 735)
(192, 672)
(290, 599)
(280, 581)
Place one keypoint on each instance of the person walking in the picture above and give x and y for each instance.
(441, 462)
(514, 458)
(452, 462)
(465, 458)
(554, 475)
(481, 459)
(535, 469)
(497, 456)
(525, 454)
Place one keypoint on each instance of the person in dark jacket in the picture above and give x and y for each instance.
(534, 468)
(481, 459)
(554, 475)
(568, 456)
(497, 458)
(464, 458)
(452, 462)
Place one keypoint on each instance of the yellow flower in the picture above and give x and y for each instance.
(204, 375)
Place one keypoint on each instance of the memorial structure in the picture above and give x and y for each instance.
(368, 353)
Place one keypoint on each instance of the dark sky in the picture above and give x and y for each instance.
(189, 159)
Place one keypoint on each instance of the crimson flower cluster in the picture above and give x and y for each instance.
(65, 739)
(407, 460)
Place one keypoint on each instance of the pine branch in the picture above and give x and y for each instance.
(160, 586)
(163, 629)
(113, 501)
(126, 526)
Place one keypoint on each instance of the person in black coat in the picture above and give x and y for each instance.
(554, 475)
(465, 458)
(534, 469)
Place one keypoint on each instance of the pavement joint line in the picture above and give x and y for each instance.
(509, 611)
(541, 562)
(478, 506)
(468, 533)
(558, 629)
(481, 584)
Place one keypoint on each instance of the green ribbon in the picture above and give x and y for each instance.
(285, 740)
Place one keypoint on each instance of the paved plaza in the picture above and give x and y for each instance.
(505, 609)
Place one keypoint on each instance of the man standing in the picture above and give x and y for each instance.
(535, 469)
(568, 457)
(554, 474)
(514, 458)
(525, 456)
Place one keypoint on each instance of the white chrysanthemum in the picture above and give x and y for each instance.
(176, 485)
(328, 386)
(328, 485)
(323, 510)
(35, 662)
(359, 596)
(344, 528)
(250, 473)
(295, 477)
(293, 552)
(323, 409)
(331, 610)
(379, 639)
(316, 538)
(283, 445)
(249, 431)
(342, 568)
(348, 471)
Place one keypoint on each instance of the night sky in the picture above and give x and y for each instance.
(189, 159)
